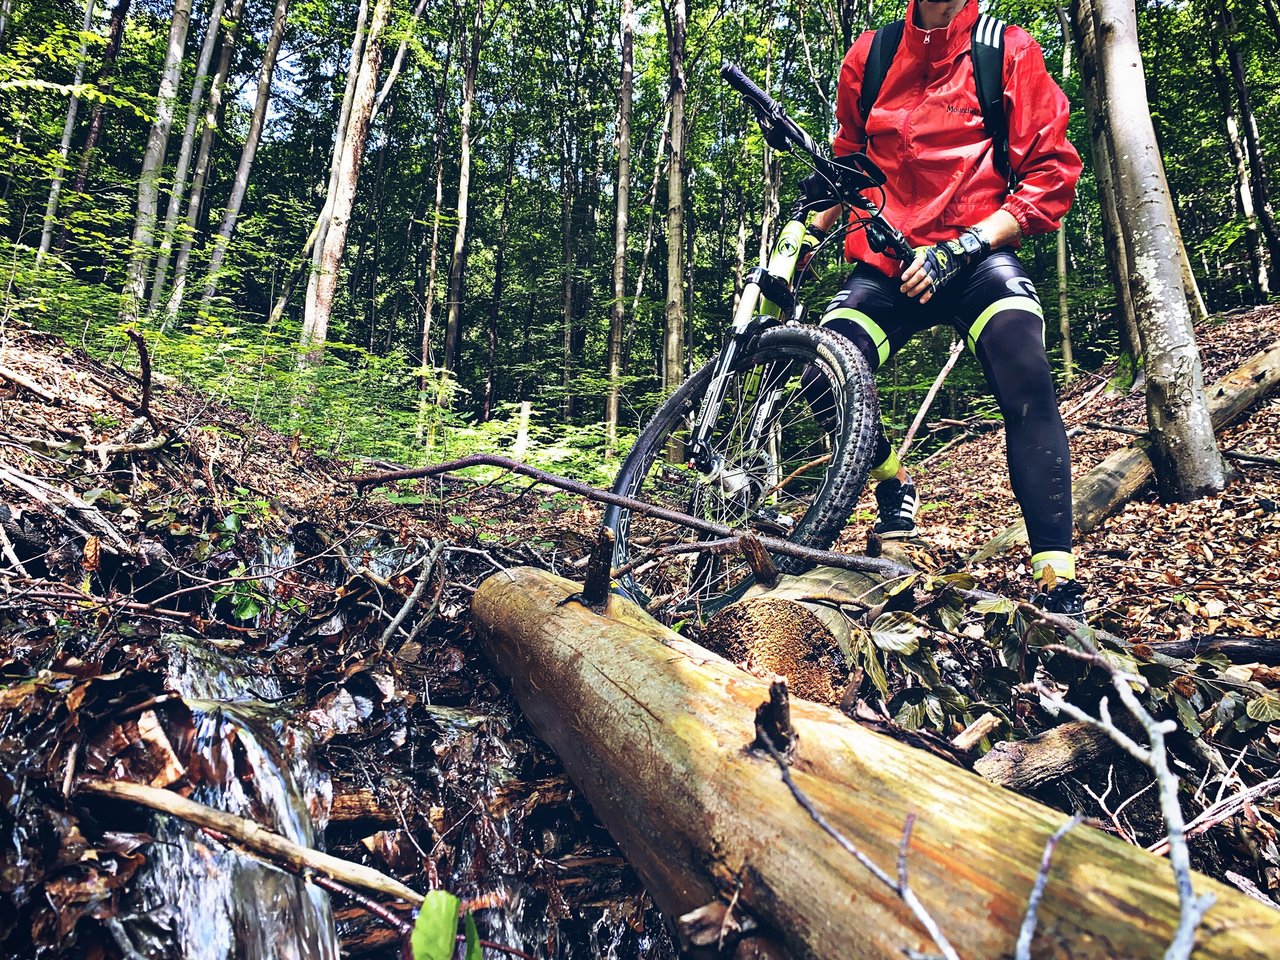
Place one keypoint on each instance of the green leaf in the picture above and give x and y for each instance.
(897, 632)
(436, 927)
(1187, 715)
(995, 605)
(951, 614)
(473, 938)
(961, 581)
(1265, 708)
(232, 523)
(901, 585)
(247, 606)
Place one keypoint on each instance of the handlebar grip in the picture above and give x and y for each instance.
(745, 86)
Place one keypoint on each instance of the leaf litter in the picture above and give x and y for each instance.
(241, 537)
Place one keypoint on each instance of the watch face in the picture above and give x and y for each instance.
(970, 243)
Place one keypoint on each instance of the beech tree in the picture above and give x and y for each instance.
(622, 189)
(473, 40)
(351, 151)
(200, 173)
(1188, 464)
(177, 188)
(673, 330)
(64, 148)
(153, 162)
(240, 185)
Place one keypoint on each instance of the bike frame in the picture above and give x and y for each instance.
(768, 297)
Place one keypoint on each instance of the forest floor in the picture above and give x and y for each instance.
(134, 510)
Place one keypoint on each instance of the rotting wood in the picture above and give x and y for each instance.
(1049, 756)
(653, 729)
(1119, 477)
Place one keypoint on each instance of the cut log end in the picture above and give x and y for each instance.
(781, 638)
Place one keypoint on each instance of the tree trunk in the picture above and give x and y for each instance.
(651, 201)
(314, 247)
(673, 327)
(1120, 476)
(499, 288)
(429, 293)
(204, 154)
(64, 148)
(1115, 244)
(222, 239)
(657, 732)
(153, 162)
(453, 324)
(618, 313)
(1257, 162)
(6, 9)
(1188, 464)
(316, 326)
(1273, 17)
(568, 191)
(1244, 189)
(1064, 316)
(179, 185)
(106, 84)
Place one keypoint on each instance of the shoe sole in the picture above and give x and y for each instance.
(899, 534)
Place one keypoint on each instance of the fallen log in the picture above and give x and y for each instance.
(1119, 477)
(655, 731)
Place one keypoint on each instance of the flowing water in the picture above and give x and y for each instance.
(199, 899)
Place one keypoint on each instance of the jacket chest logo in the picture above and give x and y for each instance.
(964, 111)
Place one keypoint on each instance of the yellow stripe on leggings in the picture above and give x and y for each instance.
(890, 467)
(873, 329)
(1005, 303)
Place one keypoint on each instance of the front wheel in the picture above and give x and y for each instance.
(791, 447)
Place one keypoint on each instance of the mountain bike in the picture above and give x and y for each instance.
(776, 434)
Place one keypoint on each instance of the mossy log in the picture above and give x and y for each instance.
(1118, 478)
(656, 732)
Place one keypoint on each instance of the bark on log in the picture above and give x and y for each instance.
(1119, 477)
(1054, 754)
(655, 731)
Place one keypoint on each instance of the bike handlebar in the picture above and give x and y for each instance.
(850, 175)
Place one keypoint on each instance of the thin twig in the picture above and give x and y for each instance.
(1192, 907)
(1028, 929)
(1221, 810)
(428, 567)
(144, 364)
(899, 886)
(253, 836)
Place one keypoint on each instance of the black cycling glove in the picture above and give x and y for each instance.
(942, 261)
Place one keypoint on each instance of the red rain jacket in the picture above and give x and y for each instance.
(925, 131)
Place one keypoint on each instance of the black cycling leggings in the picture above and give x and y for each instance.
(993, 304)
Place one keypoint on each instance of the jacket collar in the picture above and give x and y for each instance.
(944, 41)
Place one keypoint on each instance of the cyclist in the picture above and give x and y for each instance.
(944, 191)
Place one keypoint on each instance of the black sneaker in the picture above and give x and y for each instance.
(1066, 597)
(898, 504)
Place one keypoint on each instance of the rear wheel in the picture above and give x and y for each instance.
(791, 446)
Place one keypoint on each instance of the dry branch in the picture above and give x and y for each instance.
(252, 836)
(774, 544)
(1052, 755)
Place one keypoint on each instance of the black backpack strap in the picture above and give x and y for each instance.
(883, 46)
(987, 49)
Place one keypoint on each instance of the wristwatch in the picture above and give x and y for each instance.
(974, 244)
